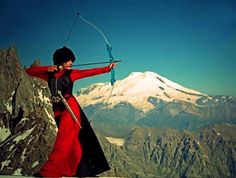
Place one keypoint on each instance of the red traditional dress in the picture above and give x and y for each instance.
(76, 151)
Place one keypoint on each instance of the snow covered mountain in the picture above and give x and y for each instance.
(150, 100)
(136, 89)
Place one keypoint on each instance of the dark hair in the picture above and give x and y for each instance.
(63, 55)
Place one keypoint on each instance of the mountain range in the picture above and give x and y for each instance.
(149, 127)
(150, 100)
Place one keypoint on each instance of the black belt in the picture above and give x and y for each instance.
(55, 99)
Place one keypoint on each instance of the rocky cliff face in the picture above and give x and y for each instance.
(26, 118)
(168, 153)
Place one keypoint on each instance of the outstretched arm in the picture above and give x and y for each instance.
(40, 71)
(78, 74)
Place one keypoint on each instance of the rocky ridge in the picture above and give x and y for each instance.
(168, 153)
(26, 118)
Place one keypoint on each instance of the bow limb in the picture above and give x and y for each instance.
(109, 48)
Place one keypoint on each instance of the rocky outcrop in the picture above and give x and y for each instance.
(26, 119)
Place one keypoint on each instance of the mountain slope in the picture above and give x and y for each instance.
(136, 89)
(168, 153)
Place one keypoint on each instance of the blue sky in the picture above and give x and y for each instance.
(191, 42)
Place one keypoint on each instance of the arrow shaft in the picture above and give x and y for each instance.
(95, 63)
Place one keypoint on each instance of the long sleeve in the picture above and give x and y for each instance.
(78, 74)
(38, 71)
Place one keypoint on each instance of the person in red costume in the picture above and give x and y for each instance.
(76, 150)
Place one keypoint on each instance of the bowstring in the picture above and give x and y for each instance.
(72, 27)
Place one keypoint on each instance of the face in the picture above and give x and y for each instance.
(67, 65)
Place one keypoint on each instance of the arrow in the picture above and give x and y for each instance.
(94, 63)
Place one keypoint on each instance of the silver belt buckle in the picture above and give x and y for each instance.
(55, 99)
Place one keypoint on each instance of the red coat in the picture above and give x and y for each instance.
(68, 157)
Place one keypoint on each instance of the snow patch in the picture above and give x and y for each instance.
(35, 164)
(9, 103)
(51, 118)
(25, 150)
(24, 119)
(116, 141)
(17, 172)
(23, 135)
(4, 133)
(5, 163)
(42, 97)
(11, 147)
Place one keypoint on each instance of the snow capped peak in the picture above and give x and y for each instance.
(142, 75)
(136, 89)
